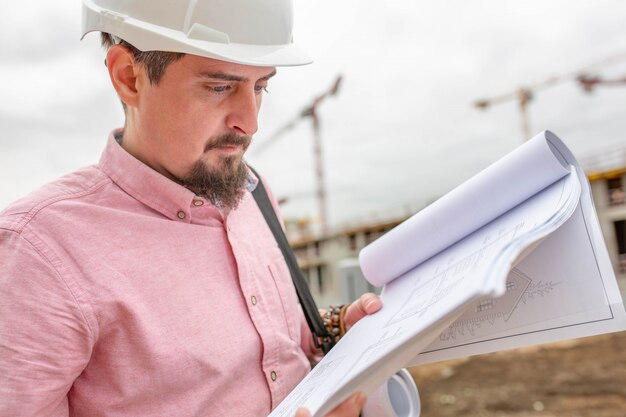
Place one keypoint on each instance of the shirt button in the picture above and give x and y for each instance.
(273, 376)
(181, 214)
(253, 300)
(198, 202)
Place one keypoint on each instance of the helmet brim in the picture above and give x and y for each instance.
(147, 37)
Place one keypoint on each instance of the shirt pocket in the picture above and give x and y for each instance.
(291, 310)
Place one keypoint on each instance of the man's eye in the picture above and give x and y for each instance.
(261, 88)
(219, 88)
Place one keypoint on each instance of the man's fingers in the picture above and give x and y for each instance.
(302, 412)
(371, 303)
(351, 407)
(367, 304)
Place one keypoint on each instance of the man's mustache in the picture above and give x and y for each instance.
(229, 139)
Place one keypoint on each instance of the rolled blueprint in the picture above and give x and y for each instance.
(501, 186)
(398, 397)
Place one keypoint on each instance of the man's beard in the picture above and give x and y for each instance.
(223, 184)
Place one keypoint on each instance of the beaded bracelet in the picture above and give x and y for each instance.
(334, 321)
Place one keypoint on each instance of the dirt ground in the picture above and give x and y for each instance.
(580, 378)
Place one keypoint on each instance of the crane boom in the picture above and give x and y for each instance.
(310, 111)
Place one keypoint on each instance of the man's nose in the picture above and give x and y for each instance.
(243, 115)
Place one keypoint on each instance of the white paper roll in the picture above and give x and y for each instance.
(398, 397)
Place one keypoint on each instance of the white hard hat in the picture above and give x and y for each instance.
(251, 32)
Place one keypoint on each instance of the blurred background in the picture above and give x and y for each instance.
(401, 130)
(406, 99)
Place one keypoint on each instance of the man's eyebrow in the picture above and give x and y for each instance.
(270, 75)
(231, 77)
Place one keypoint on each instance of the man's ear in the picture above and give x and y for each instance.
(125, 74)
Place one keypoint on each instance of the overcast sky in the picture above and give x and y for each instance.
(402, 129)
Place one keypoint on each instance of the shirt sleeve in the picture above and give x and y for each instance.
(45, 341)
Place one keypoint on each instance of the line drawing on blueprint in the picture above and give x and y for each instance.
(317, 378)
(369, 354)
(426, 294)
(493, 311)
(538, 289)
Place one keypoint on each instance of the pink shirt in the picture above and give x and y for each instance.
(122, 293)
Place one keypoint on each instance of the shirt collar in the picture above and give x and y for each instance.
(147, 185)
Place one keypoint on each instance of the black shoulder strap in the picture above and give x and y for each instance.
(321, 336)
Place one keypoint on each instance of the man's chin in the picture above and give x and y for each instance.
(231, 165)
(222, 184)
(222, 162)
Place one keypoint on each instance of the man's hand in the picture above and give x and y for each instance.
(349, 408)
(366, 304)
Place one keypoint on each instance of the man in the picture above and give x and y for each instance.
(149, 284)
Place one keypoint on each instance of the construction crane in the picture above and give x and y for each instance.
(524, 95)
(311, 111)
(589, 82)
